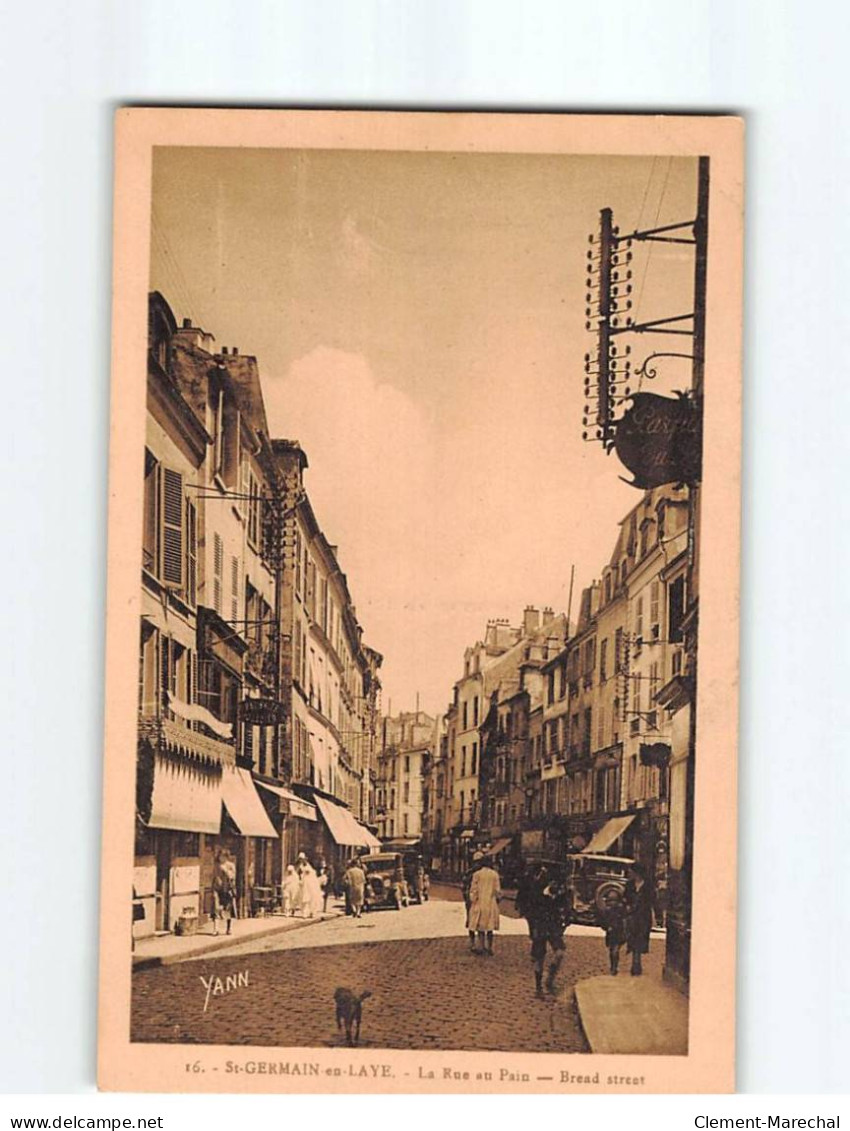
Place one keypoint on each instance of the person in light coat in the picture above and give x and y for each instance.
(485, 891)
(291, 891)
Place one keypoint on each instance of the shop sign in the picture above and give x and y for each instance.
(659, 439)
(261, 712)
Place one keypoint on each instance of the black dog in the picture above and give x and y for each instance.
(349, 1012)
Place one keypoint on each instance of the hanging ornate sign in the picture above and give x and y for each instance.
(659, 439)
(260, 712)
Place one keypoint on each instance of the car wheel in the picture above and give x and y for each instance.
(608, 895)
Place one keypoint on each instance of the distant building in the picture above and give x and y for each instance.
(407, 749)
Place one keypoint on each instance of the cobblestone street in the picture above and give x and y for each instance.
(428, 992)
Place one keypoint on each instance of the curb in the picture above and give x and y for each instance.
(225, 942)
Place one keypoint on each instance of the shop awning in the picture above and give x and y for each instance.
(369, 838)
(341, 824)
(296, 806)
(610, 831)
(243, 803)
(185, 798)
(344, 826)
(499, 845)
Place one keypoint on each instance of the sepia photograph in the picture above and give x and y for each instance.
(422, 625)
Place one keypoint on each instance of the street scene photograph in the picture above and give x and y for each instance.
(420, 548)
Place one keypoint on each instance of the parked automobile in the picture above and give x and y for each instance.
(385, 883)
(596, 882)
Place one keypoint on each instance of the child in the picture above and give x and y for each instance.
(613, 919)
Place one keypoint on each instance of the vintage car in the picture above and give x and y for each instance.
(596, 882)
(385, 883)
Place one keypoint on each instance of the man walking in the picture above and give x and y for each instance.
(466, 884)
(485, 891)
(355, 887)
(544, 903)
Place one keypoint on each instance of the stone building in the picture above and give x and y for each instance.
(404, 759)
(216, 773)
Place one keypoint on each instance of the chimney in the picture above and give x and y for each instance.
(187, 323)
(530, 620)
(234, 350)
(224, 351)
(548, 614)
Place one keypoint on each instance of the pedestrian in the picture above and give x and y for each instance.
(311, 891)
(544, 902)
(613, 920)
(224, 894)
(638, 900)
(291, 891)
(354, 881)
(325, 883)
(466, 884)
(485, 891)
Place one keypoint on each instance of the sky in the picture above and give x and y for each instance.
(418, 319)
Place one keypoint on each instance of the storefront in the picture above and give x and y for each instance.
(179, 793)
(299, 823)
(246, 831)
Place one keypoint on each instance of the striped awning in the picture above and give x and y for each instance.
(243, 803)
(185, 797)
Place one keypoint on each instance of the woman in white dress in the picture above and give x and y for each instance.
(291, 891)
(312, 896)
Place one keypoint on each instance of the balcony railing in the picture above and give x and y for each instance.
(170, 735)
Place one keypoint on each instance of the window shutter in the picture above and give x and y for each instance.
(234, 588)
(191, 552)
(218, 562)
(172, 528)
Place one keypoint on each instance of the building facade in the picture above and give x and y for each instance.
(216, 767)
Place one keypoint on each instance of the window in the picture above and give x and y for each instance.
(562, 681)
(603, 661)
(475, 711)
(465, 716)
(298, 562)
(676, 610)
(550, 698)
(639, 618)
(463, 762)
(653, 608)
(148, 670)
(462, 804)
(253, 507)
(407, 763)
(473, 766)
(406, 793)
(618, 651)
(600, 732)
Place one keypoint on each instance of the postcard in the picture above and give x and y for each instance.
(422, 625)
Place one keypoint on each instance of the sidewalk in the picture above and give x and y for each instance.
(162, 950)
(633, 1015)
